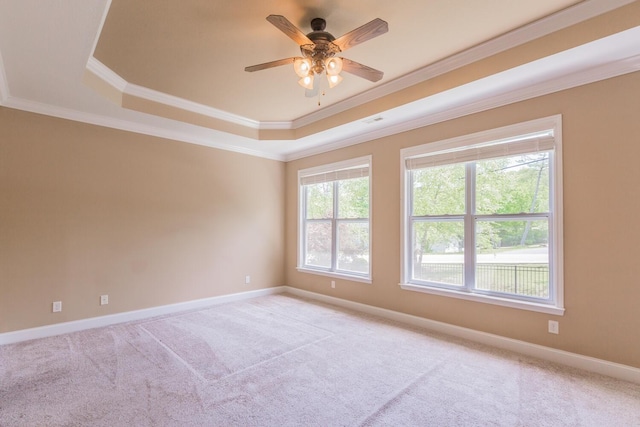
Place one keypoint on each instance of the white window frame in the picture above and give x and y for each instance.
(332, 168)
(451, 151)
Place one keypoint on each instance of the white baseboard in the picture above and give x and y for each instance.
(111, 319)
(591, 364)
(615, 370)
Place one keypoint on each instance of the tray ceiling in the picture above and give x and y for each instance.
(176, 69)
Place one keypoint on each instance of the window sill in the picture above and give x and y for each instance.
(522, 305)
(360, 279)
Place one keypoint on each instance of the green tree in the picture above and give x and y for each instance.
(438, 191)
(506, 185)
(353, 204)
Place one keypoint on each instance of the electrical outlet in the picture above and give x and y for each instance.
(104, 299)
(333, 284)
(57, 306)
(554, 327)
(247, 279)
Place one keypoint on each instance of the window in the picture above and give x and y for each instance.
(483, 214)
(334, 209)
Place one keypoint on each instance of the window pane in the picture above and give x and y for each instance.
(319, 200)
(513, 184)
(438, 250)
(353, 246)
(438, 190)
(513, 257)
(353, 198)
(318, 244)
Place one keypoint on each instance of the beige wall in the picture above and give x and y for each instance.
(86, 210)
(601, 128)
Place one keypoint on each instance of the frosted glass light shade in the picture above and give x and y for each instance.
(334, 80)
(333, 66)
(306, 82)
(302, 66)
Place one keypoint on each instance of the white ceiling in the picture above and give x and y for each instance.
(46, 48)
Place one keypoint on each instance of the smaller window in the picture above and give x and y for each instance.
(334, 219)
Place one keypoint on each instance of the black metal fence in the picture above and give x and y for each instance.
(520, 279)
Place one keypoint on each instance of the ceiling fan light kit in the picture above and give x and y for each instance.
(306, 82)
(333, 66)
(334, 80)
(302, 67)
(319, 49)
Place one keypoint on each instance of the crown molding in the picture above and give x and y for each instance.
(558, 21)
(106, 74)
(130, 126)
(114, 80)
(275, 125)
(463, 107)
(186, 105)
(443, 113)
(436, 108)
(542, 27)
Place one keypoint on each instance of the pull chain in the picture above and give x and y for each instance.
(320, 93)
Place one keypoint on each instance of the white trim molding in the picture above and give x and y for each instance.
(359, 167)
(114, 80)
(105, 73)
(591, 364)
(487, 299)
(451, 151)
(565, 18)
(587, 363)
(190, 106)
(555, 77)
(132, 126)
(491, 92)
(112, 319)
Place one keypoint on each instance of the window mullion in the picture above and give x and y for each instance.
(470, 227)
(524, 216)
(303, 231)
(409, 261)
(553, 243)
(334, 229)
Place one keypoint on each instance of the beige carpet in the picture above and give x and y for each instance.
(284, 361)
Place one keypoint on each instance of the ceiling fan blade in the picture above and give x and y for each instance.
(271, 64)
(362, 34)
(361, 70)
(284, 25)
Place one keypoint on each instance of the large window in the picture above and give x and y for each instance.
(334, 219)
(482, 217)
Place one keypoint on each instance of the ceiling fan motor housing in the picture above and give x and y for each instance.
(322, 47)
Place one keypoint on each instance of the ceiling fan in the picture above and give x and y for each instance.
(319, 49)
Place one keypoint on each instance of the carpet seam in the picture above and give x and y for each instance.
(369, 418)
(175, 355)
